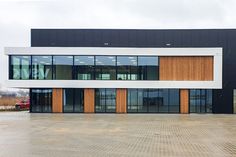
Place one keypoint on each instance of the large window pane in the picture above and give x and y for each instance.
(105, 67)
(79, 100)
(174, 100)
(73, 100)
(126, 68)
(63, 67)
(68, 100)
(20, 67)
(110, 100)
(132, 100)
(200, 101)
(84, 67)
(164, 96)
(105, 100)
(153, 100)
(100, 100)
(41, 100)
(42, 67)
(148, 68)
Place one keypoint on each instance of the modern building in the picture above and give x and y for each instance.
(127, 71)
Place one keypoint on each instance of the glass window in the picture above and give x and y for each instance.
(73, 100)
(63, 67)
(132, 100)
(42, 67)
(148, 68)
(126, 68)
(68, 97)
(153, 100)
(41, 100)
(105, 100)
(84, 67)
(105, 67)
(20, 67)
(164, 100)
(174, 100)
(79, 100)
(200, 101)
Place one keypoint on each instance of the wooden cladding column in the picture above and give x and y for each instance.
(89, 100)
(184, 101)
(57, 100)
(121, 100)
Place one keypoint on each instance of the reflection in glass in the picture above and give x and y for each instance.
(148, 68)
(133, 100)
(200, 101)
(42, 67)
(153, 100)
(174, 100)
(73, 100)
(20, 67)
(68, 100)
(164, 96)
(105, 100)
(41, 100)
(84, 67)
(105, 67)
(63, 67)
(78, 100)
(126, 68)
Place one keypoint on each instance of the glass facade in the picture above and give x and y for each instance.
(63, 67)
(105, 68)
(153, 100)
(20, 67)
(73, 100)
(42, 67)
(41, 100)
(105, 100)
(148, 68)
(126, 68)
(200, 101)
(138, 100)
(84, 67)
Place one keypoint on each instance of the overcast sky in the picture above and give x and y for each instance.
(17, 17)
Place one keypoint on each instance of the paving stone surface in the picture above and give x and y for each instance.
(63, 135)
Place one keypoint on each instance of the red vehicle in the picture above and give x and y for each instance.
(23, 105)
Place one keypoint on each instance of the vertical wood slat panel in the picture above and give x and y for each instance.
(121, 100)
(184, 101)
(89, 100)
(186, 68)
(57, 100)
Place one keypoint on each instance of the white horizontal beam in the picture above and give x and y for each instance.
(111, 84)
(112, 51)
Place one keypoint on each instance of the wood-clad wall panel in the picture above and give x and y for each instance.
(89, 100)
(186, 68)
(121, 100)
(57, 100)
(184, 101)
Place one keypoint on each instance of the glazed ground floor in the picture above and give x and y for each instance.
(111, 100)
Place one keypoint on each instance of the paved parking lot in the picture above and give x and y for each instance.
(63, 135)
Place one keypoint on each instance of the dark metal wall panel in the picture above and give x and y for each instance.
(226, 38)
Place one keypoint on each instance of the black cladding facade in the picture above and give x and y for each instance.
(225, 38)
